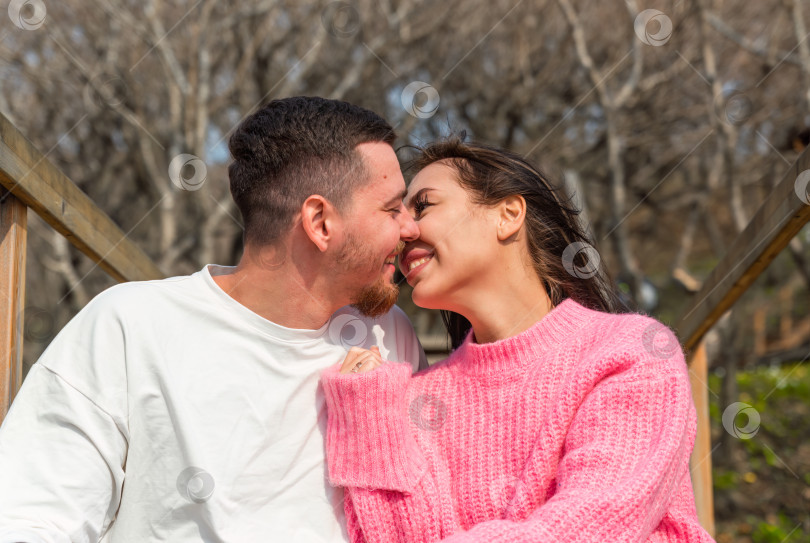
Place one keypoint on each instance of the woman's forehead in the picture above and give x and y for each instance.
(436, 175)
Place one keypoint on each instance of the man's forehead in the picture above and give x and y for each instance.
(385, 178)
(378, 154)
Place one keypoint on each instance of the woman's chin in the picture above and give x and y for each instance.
(424, 299)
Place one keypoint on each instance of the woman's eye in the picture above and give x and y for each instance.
(419, 206)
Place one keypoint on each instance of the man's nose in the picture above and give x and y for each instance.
(408, 229)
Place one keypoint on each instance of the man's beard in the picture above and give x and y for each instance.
(372, 300)
(377, 299)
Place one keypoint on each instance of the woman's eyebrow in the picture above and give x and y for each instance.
(415, 196)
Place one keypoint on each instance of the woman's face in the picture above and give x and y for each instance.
(457, 249)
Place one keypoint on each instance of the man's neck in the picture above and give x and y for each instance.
(280, 296)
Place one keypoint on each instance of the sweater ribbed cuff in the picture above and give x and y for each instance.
(368, 441)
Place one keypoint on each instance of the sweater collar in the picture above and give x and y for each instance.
(556, 328)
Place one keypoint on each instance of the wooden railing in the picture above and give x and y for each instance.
(30, 180)
(778, 220)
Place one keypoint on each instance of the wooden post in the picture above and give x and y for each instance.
(13, 231)
(700, 464)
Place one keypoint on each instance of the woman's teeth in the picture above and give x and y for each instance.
(416, 263)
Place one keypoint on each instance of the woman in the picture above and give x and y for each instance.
(555, 418)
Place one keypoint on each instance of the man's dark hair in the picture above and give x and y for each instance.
(293, 148)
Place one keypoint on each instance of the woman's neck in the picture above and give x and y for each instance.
(506, 308)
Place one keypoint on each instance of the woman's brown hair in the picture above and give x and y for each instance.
(552, 225)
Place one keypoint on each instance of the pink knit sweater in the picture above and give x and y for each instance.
(578, 429)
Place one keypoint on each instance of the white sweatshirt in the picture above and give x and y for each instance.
(167, 411)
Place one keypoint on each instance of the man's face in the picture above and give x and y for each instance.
(376, 221)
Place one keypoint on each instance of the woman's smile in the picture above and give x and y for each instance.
(414, 261)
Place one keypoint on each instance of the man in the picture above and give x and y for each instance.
(188, 409)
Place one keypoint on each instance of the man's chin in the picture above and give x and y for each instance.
(376, 300)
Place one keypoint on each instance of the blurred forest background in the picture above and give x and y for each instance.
(669, 127)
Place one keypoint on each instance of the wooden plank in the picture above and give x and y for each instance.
(13, 215)
(700, 463)
(779, 218)
(36, 182)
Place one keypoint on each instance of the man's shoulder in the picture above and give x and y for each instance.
(131, 295)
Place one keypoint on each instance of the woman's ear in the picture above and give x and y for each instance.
(511, 214)
(318, 218)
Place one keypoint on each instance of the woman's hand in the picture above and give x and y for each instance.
(361, 360)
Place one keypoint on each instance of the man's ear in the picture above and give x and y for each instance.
(511, 215)
(318, 218)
